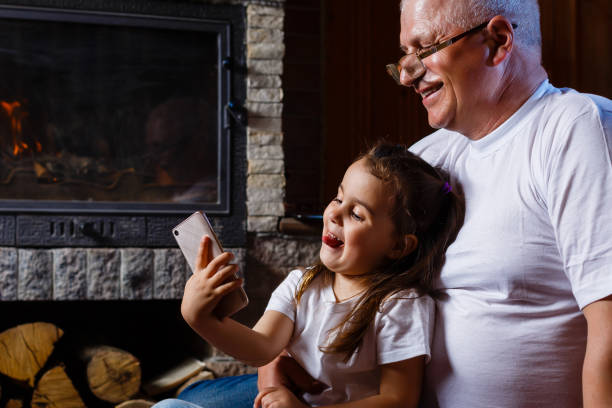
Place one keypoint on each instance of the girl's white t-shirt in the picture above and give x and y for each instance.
(402, 329)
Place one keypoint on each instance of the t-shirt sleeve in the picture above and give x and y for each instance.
(283, 297)
(578, 193)
(404, 328)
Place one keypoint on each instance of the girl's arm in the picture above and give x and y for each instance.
(205, 288)
(400, 386)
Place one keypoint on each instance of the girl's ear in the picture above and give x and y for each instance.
(404, 246)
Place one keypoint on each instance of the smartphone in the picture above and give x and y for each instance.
(188, 235)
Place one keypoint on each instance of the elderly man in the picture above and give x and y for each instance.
(525, 319)
(525, 313)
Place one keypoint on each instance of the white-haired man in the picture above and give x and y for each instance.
(525, 319)
(525, 315)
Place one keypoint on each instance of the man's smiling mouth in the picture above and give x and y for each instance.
(430, 90)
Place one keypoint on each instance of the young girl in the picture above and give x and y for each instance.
(361, 321)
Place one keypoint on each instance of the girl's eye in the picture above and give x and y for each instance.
(356, 216)
(337, 201)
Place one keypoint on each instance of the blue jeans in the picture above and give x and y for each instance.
(225, 392)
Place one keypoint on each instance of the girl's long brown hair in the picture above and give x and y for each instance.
(425, 205)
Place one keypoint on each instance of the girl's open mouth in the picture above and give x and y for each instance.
(332, 241)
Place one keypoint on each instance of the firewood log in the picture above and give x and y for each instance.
(14, 403)
(138, 403)
(174, 377)
(113, 374)
(26, 348)
(55, 390)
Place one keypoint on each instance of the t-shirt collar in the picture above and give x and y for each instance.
(497, 137)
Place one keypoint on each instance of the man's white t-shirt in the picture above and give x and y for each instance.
(402, 329)
(535, 248)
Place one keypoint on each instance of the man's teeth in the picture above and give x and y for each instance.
(430, 91)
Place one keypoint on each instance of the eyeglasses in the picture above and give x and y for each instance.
(412, 64)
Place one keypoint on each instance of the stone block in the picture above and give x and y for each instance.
(266, 167)
(35, 274)
(256, 9)
(264, 81)
(265, 124)
(7, 230)
(103, 274)
(264, 138)
(69, 274)
(8, 274)
(262, 224)
(276, 209)
(265, 35)
(265, 152)
(265, 51)
(265, 194)
(265, 21)
(170, 273)
(271, 110)
(285, 252)
(264, 94)
(136, 273)
(269, 67)
(266, 181)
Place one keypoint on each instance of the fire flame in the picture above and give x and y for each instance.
(16, 114)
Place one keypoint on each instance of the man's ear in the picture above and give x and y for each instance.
(404, 246)
(501, 39)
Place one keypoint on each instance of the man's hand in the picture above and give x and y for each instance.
(277, 397)
(284, 371)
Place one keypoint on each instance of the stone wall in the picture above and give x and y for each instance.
(265, 174)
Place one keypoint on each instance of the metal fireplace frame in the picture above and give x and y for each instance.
(33, 223)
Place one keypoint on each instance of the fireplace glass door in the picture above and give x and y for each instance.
(108, 111)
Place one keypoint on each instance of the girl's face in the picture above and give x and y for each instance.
(358, 232)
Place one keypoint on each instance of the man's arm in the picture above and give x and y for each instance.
(285, 371)
(597, 368)
(400, 387)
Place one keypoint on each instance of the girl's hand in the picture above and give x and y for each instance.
(277, 397)
(207, 285)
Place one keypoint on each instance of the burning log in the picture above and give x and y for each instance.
(113, 375)
(26, 349)
(55, 390)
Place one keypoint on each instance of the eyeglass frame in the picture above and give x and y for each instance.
(395, 72)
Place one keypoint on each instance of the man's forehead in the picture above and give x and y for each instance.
(422, 19)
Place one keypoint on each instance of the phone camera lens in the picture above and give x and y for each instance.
(176, 233)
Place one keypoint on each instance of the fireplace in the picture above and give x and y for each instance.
(115, 125)
(85, 222)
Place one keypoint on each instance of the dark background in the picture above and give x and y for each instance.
(338, 96)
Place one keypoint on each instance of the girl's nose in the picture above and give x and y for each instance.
(335, 215)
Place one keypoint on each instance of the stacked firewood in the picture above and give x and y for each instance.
(112, 375)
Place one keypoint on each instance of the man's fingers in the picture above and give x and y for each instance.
(262, 393)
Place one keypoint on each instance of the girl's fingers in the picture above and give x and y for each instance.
(224, 274)
(204, 253)
(228, 287)
(217, 263)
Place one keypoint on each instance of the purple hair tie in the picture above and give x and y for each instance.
(447, 188)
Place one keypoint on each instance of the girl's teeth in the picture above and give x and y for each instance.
(332, 241)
